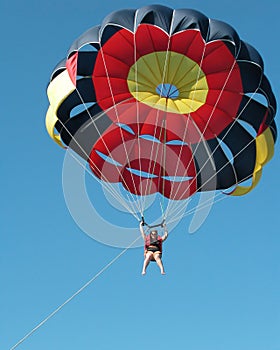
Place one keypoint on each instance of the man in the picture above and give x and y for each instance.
(153, 247)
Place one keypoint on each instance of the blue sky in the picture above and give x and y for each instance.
(222, 285)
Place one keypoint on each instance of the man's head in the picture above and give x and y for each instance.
(154, 234)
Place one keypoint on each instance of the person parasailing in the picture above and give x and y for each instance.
(153, 245)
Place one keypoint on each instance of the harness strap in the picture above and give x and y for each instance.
(152, 226)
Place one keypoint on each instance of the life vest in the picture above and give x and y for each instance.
(148, 242)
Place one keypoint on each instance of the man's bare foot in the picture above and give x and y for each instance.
(143, 272)
(162, 272)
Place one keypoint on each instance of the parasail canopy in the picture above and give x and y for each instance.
(165, 101)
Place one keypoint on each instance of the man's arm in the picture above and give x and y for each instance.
(165, 235)
(141, 227)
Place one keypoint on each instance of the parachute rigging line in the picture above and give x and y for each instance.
(193, 209)
(155, 130)
(215, 149)
(163, 126)
(116, 111)
(113, 192)
(107, 184)
(206, 125)
(123, 202)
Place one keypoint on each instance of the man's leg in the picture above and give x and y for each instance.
(147, 260)
(157, 257)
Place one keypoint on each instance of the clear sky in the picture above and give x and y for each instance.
(222, 287)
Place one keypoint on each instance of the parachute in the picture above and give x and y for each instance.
(166, 102)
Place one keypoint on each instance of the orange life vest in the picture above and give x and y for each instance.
(148, 242)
